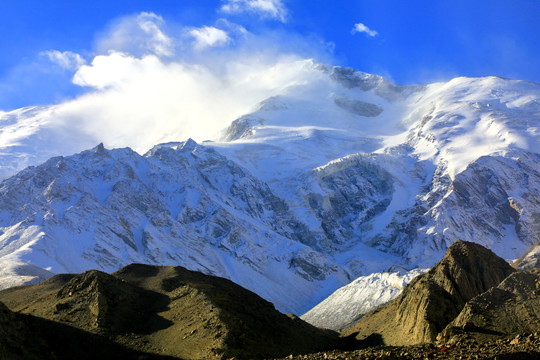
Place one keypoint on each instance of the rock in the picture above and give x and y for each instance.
(512, 307)
(168, 310)
(431, 301)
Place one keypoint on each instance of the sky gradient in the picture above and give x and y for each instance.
(46, 44)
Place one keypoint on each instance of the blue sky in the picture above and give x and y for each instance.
(45, 43)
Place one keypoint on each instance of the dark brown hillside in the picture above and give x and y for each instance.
(27, 337)
(433, 300)
(510, 309)
(167, 311)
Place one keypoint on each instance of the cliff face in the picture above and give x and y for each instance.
(433, 300)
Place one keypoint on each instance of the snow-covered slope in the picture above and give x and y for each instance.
(180, 204)
(432, 165)
(353, 300)
(340, 174)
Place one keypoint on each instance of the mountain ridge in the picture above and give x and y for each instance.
(432, 300)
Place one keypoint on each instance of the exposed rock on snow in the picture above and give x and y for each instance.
(530, 260)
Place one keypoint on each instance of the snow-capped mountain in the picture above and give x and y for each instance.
(530, 260)
(339, 175)
(179, 204)
(456, 160)
(353, 300)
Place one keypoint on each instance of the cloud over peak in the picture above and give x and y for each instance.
(274, 9)
(361, 28)
(148, 81)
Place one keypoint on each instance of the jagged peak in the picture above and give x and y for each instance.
(100, 148)
(187, 145)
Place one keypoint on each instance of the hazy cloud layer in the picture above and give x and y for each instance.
(148, 84)
(361, 28)
(274, 9)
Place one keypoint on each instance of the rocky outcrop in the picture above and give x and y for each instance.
(510, 309)
(357, 107)
(240, 128)
(168, 311)
(431, 301)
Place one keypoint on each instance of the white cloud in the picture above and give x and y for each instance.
(135, 96)
(139, 102)
(67, 60)
(265, 8)
(140, 34)
(209, 36)
(361, 28)
(236, 29)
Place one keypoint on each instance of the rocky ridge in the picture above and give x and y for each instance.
(510, 309)
(167, 311)
(432, 300)
(182, 203)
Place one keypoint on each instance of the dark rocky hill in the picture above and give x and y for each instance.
(510, 309)
(27, 337)
(166, 311)
(431, 301)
